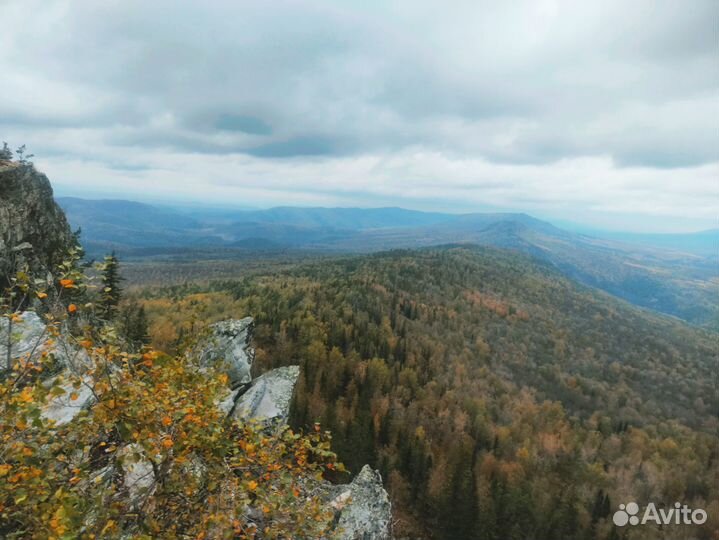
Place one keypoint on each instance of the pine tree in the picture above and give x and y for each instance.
(133, 325)
(5, 152)
(111, 291)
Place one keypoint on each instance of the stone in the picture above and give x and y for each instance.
(229, 347)
(26, 336)
(63, 409)
(363, 508)
(137, 472)
(269, 397)
(29, 337)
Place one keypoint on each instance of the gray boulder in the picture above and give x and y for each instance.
(30, 339)
(269, 397)
(64, 408)
(363, 508)
(229, 346)
(22, 338)
(138, 476)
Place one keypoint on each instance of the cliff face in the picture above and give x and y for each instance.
(33, 228)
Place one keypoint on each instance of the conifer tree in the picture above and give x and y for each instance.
(132, 324)
(111, 291)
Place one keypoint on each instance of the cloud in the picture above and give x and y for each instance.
(611, 89)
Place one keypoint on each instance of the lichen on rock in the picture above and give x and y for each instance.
(228, 347)
(269, 396)
(363, 509)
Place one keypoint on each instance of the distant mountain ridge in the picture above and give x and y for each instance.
(345, 218)
(678, 282)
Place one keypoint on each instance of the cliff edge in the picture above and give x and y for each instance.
(33, 228)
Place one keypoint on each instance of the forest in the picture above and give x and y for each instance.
(498, 399)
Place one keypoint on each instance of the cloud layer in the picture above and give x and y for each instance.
(603, 111)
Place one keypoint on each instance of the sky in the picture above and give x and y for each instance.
(604, 113)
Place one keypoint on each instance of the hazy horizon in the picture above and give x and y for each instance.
(190, 206)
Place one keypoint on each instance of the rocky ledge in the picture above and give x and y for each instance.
(362, 507)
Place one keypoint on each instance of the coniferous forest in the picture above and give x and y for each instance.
(498, 399)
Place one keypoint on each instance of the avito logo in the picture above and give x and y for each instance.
(678, 515)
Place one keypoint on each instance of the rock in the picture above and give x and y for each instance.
(62, 409)
(29, 338)
(269, 397)
(229, 346)
(363, 507)
(228, 402)
(26, 335)
(137, 473)
(33, 228)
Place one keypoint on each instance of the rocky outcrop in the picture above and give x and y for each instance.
(269, 396)
(228, 347)
(362, 508)
(33, 228)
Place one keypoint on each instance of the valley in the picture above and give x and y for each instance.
(492, 393)
(681, 283)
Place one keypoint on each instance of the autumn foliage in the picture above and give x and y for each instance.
(204, 475)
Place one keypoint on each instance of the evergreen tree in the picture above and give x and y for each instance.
(5, 152)
(111, 291)
(133, 325)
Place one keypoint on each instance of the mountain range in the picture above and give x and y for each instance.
(674, 274)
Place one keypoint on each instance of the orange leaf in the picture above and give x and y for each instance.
(26, 395)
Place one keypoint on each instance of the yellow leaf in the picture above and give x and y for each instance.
(26, 395)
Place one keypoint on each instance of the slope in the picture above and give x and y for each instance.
(495, 395)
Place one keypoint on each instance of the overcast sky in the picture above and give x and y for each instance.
(600, 112)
